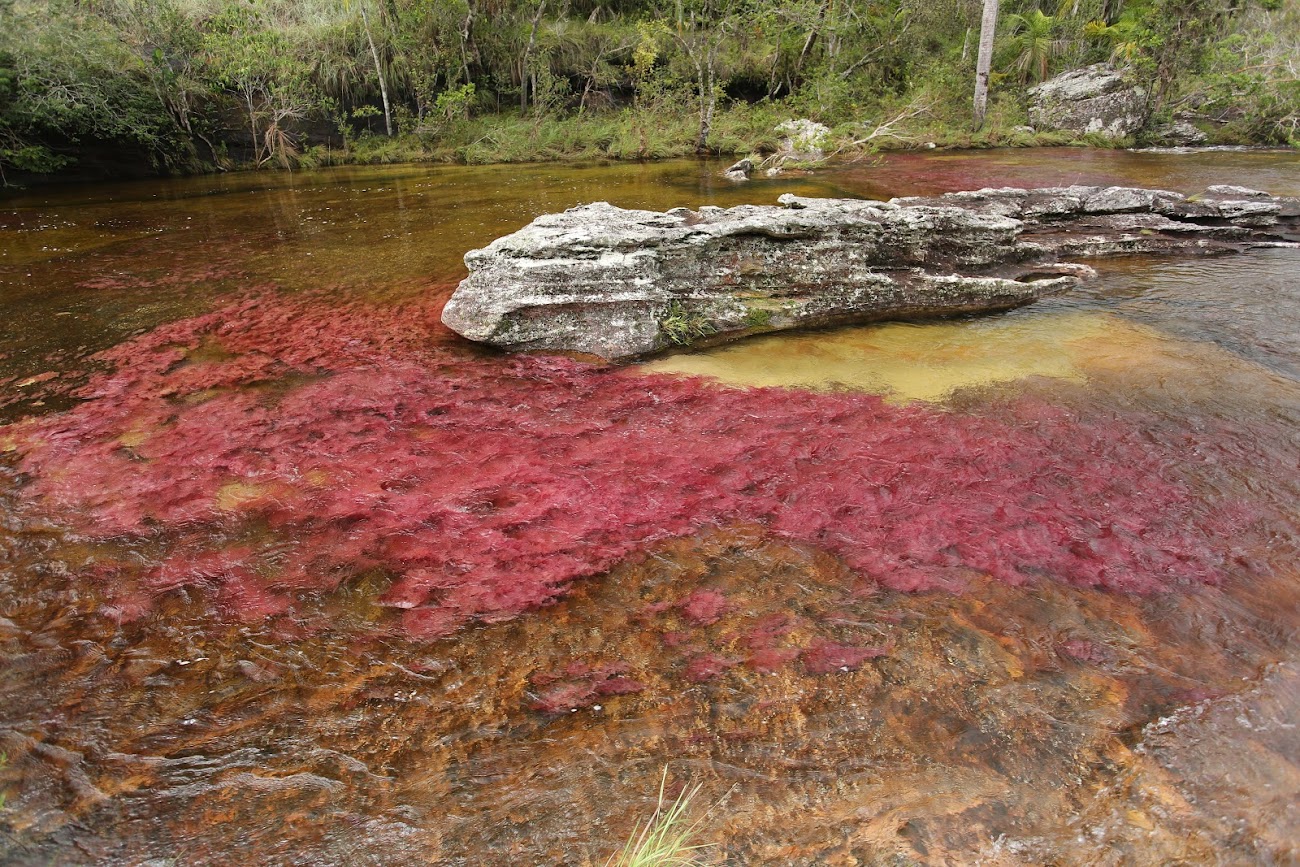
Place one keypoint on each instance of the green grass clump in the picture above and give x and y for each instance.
(665, 838)
(758, 317)
(682, 326)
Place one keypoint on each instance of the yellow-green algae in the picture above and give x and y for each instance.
(925, 361)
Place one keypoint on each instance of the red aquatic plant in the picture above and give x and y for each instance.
(328, 440)
(823, 657)
(580, 685)
(769, 660)
(704, 607)
(765, 640)
(704, 667)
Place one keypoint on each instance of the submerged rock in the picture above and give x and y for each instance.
(1095, 99)
(621, 283)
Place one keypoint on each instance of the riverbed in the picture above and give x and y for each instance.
(291, 574)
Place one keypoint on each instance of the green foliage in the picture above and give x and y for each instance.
(267, 75)
(186, 83)
(1033, 44)
(1250, 84)
(1172, 39)
(454, 104)
(1121, 38)
(37, 159)
(66, 78)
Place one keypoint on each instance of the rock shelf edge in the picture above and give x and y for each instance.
(621, 284)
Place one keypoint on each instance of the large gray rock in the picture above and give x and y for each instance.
(618, 283)
(622, 283)
(1095, 99)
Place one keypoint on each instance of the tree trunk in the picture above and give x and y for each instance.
(773, 85)
(379, 71)
(988, 26)
(466, 45)
(706, 117)
(523, 64)
(705, 68)
(252, 125)
(810, 41)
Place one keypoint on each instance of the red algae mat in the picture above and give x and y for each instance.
(284, 445)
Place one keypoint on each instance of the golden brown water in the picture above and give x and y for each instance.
(833, 720)
(910, 361)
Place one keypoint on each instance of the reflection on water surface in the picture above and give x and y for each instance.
(1040, 607)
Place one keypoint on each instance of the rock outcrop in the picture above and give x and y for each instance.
(1095, 99)
(1179, 133)
(623, 283)
(804, 140)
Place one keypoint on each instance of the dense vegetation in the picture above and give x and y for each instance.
(185, 85)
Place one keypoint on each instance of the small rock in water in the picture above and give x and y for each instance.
(1180, 133)
(739, 171)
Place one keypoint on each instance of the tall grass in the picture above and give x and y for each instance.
(649, 134)
(665, 840)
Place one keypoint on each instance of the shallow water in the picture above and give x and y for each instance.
(290, 573)
(929, 362)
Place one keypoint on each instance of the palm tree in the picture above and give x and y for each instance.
(1032, 45)
(1123, 38)
(988, 27)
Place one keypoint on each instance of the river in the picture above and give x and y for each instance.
(291, 574)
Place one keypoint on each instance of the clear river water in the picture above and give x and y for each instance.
(291, 574)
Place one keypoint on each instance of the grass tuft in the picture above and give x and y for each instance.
(682, 326)
(665, 838)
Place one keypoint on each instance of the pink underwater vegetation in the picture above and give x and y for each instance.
(824, 657)
(581, 685)
(704, 607)
(282, 444)
(704, 667)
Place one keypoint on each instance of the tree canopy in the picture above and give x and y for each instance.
(184, 84)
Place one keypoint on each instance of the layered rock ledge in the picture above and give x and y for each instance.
(621, 283)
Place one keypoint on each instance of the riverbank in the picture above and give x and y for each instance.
(115, 90)
(739, 131)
